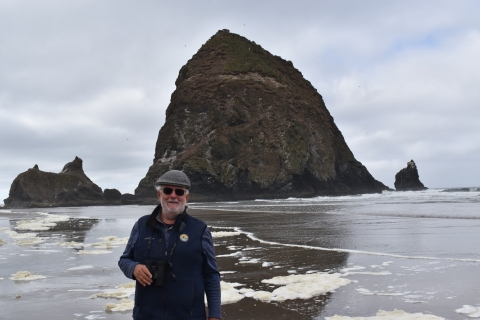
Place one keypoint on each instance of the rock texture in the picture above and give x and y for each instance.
(407, 179)
(245, 124)
(70, 187)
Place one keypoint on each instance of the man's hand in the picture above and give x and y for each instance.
(142, 275)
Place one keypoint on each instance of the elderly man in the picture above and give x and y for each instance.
(170, 255)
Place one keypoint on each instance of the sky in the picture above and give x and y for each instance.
(93, 79)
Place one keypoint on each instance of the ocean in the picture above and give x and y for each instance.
(395, 255)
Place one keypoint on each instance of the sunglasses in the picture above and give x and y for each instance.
(178, 192)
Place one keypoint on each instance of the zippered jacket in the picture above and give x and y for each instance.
(189, 269)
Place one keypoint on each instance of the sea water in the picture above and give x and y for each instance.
(414, 255)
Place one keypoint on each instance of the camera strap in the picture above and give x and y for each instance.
(150, 239)
(182, 226)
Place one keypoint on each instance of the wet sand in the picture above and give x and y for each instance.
(430, 286)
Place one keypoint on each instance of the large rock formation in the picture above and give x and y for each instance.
(407, 179)
(70, 187)
(245, 124)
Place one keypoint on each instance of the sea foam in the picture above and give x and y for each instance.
(390, 315)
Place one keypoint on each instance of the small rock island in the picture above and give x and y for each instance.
(71, 187)
(407, 179)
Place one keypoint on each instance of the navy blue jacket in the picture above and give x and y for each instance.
(193, 266)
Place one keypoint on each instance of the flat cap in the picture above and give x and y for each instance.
(174, 178)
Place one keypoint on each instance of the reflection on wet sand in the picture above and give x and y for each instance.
(247, 262)
(266, 261)
(72, 230)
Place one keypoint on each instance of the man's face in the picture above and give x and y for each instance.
(172, 204)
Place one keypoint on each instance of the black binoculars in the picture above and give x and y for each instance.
(157, 271)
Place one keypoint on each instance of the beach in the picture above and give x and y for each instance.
(414, 252)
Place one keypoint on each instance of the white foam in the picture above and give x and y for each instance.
(41, 223)
(390, 315)
(234, 254)
(94, 316)
(354, 268)
(298, 286)
(221, 234)
(225, 272)
(367, 292)
(414, 301)
(120, 292)
(381, 273)
(80, 268)
(248, 260)
(71, 244)
(4, 228)
(83, 290)
(109, 242)
(266, 264)
(2, 242)
(470, 311)
(25, 276)
(124, 305)
(29, 241)
(94, 251)
(229, 292)
(15, 235)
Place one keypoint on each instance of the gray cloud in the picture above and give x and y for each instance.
(93, 79)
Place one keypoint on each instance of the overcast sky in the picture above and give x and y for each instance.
(93, 79)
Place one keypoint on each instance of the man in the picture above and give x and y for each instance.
(170, 255)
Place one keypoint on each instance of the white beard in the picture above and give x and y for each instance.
(170, 213)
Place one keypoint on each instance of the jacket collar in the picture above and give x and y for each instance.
(152, 220)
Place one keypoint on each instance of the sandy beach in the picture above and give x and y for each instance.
(276, 262)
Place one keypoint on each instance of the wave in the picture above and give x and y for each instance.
(251, 236)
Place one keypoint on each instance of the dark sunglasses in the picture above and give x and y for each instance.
(178, 192)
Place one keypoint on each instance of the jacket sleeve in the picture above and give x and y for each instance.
(211, 276)
(126, 262)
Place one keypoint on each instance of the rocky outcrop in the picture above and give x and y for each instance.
(245, 124)
(70, 187)
(407, 179)
(112, 195)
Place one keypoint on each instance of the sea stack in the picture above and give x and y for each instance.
(244, 124)
(407, 179)
(70, 187)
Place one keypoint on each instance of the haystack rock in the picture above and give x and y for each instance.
(245, 124)
(407, 179)
(70, 187)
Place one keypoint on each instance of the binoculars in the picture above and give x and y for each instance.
(157, 272)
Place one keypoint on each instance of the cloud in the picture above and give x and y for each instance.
(420, 104)
(93, 79)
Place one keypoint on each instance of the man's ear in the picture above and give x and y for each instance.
(159, 194)
(187, 196)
